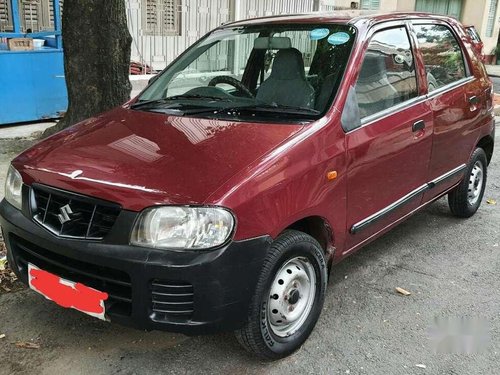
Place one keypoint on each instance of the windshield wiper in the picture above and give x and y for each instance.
(152, 103)
(273, 108)
(146, 103)
(196, 96)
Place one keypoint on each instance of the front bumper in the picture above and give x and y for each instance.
(192, 292)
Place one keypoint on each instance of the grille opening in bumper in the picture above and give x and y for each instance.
(114, 282)
(171, 300)
(72, 215)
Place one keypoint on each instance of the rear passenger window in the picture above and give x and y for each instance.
(387, 76)
(443, 58)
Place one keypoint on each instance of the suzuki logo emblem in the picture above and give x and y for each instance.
(64, 215)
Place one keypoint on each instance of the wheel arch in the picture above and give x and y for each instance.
(487, 143)
(320, 229)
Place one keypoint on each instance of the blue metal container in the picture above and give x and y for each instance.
(32, 84)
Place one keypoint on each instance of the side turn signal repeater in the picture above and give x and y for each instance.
(332, 175)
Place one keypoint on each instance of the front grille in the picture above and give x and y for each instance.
(72, 216)
(112, 281)
(171, 300)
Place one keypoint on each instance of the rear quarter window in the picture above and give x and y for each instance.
(442, 54)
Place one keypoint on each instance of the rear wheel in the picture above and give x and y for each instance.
(288, 299)
(466, 198)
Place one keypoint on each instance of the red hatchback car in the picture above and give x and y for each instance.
(270, 150)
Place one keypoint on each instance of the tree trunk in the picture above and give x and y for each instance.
(96, 45)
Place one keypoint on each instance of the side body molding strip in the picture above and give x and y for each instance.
(406, 199)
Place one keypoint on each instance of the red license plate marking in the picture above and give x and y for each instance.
(67, 293)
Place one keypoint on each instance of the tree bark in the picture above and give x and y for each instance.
(96, 45)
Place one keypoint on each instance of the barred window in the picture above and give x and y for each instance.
(30, 15)
(370, 4)
(492, 11)
(51, 12)
(161, 17)
(5, 16)
(36, 15)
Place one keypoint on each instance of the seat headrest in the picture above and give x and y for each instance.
(374, 67)
(288, 64)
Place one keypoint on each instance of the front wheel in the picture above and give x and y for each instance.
(466, 198)
(288, 299)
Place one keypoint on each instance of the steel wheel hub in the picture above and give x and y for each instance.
(291, 296)
(475, 183)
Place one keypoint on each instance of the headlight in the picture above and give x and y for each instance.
(172, 227)
(13, 188)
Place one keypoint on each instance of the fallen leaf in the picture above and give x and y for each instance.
(2, 336)
(27, 345)
(3, 263)
(421, 365)
(402, 291)
(491, 201)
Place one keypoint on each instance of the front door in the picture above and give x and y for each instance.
(388, 156)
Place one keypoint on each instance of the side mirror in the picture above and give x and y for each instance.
(399, 59)
(351, 118)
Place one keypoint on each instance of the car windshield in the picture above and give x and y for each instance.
(283, 72)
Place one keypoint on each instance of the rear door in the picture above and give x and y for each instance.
(388, 156)
(457, 101)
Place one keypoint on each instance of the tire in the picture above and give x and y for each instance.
(466, 198)
(293, 279)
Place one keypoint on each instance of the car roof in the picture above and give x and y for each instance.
(346, 17)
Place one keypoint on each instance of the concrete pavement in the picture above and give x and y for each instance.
(31, 130)
(139, 83)
(493, 70)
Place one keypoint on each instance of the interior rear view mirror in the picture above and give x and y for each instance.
(268, 42)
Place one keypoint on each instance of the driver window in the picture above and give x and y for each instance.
(387, 77)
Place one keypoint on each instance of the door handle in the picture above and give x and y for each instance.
(473, 100)
(418, 126)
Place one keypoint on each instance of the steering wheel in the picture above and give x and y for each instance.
(233, 82)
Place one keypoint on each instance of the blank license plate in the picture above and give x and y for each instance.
(67, 293)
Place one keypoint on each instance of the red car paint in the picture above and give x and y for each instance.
(273, 175)
(476, 41)
(172, 160)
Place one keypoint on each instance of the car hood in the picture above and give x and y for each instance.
(140, 159)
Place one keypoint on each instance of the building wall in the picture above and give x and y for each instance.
(197, 17)
(473, 13)
(389, 4)
(481, 22)
(406, 5)
(386, 5)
